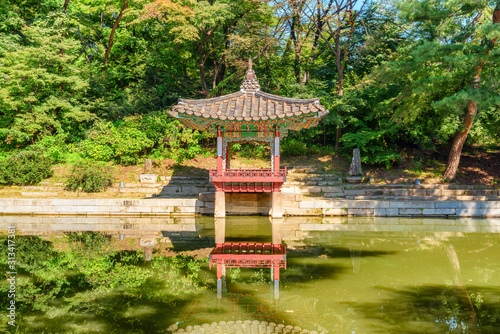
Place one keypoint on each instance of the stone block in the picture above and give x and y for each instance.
(385, 212)
(482, 187)
(170, 190)
(377, 204)
(413, 212)
(148, 178)
(469, 205)
(184, 209)
(456, 192)
(412, 205)
(313, 212)
(308, 189)
(333, 195)
(310, 204)
(84, 202)
(206, 211)
(135, 209)
(491, 205)
(418, 192)
(360, 212)
(293, 211)
(331, 189)
(137, 190)
(192, 190)
(108, 202)
(355, 192)
(433, 192)
(65, 209)
(492, 212)
(210, 205)
(334, 212)
(162, 209)
(207, 197)
(446, 205)
(432, 212)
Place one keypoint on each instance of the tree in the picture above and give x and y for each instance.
(212, 30)
(461, 135)
(42, 88)
(432, 69)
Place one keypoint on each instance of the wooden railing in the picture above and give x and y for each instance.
(247, 174)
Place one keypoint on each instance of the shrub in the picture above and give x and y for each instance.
(91, 177)
(54, 147)
(123, 144)
(293, 148)
(25, 168)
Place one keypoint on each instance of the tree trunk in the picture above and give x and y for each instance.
(115, 25)
(458, 141)
(296, 47)
(340, 92)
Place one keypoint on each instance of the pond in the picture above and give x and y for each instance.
(152, 275)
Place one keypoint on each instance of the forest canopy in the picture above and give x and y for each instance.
(93, 79)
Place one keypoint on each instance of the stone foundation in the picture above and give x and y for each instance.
(250, 204)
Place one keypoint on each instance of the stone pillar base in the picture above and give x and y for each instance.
(220, 204)
(220, 230)
(276, 205)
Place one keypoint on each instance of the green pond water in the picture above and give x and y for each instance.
(89, 275)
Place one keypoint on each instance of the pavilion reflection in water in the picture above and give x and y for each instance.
(247, 255)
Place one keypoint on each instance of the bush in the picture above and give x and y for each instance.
(123, 144)
(293, 148)
(25, 168)
(91, 177)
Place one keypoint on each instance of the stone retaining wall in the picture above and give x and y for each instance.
(249, 204)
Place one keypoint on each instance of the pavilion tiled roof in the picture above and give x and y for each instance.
(249, 104)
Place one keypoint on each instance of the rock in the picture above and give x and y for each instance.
(355, 169)
(354, 179)
(149, 178)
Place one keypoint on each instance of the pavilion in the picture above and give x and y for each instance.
(248, 115)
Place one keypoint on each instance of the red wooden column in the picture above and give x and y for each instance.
(220, 197)
(277, 150)
(276, 202)
(219, 150)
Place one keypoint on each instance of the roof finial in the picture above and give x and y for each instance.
(250, 83)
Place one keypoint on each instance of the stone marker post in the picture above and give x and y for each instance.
(355, 173)
(148, 176)
(148, 166)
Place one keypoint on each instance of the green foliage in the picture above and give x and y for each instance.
(252, 150)
(408, 69)
(41, 86)
(293, 148)
(122, 144)
(90, 177)
(25, 168)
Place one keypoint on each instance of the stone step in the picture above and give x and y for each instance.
(426, 198)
